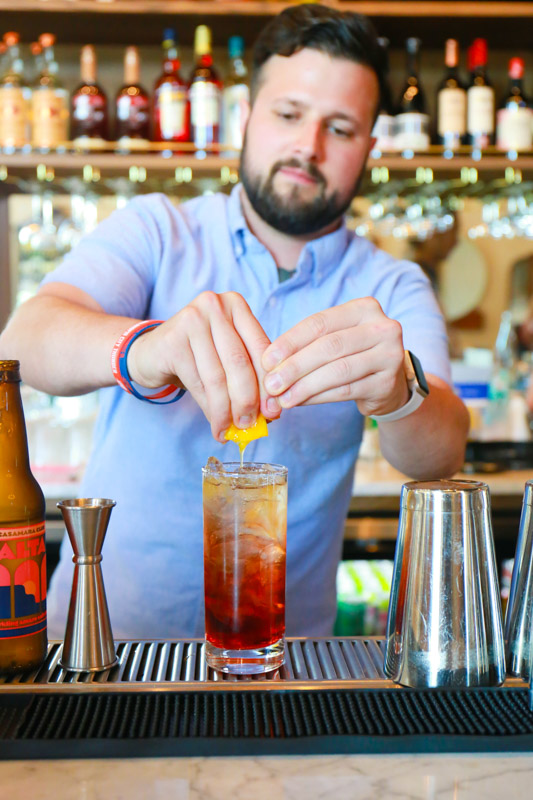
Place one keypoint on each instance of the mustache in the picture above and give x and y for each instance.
(310, 168)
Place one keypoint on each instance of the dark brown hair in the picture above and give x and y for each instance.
(339, 33)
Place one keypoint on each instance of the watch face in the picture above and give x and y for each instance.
(419, 372)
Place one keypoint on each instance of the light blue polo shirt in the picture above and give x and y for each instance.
(148, 261)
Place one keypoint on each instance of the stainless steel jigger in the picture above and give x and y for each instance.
(445, 623)
(88, 644)
(519, 617)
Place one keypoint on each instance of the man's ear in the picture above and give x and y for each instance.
(245, 109)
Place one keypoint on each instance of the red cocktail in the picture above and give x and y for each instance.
(245, 529)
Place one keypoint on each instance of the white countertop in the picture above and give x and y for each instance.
(444, 777)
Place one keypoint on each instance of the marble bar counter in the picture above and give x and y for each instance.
(358, 777)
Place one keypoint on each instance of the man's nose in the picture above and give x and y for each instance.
(309, 142)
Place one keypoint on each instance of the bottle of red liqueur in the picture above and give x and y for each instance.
(133, 103)
(89, 119)
(171, 101)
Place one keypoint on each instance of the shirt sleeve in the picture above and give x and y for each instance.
(413, 304)
(117, 263)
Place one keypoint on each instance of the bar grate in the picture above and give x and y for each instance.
(180, 665)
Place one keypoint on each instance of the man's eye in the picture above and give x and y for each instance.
(288, 115)
(344, 134)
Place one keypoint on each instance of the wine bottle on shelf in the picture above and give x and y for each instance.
(480, 98)
(451, 101)
(89, 119)
(132, 102)
(385, 124)
(204, 93)
(514, 120)
(412, 120)
(36, 51)
(171, 101)
(49, 101)
(14, 97)
(235, 95)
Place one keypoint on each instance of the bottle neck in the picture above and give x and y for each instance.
(516, 86)
(88, 65)
(132, 67)
(13, 439)
(204, 60)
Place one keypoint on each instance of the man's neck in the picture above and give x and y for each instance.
(284, 248)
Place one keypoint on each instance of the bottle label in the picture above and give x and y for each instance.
(205, 104)
(480, 116)
(13, 117)
(452, 112)
(232, 115)
(172, 104)
(22, 580)
(50, 117)
(384, 131)
(86, 107)
(412, 131)
(515, 128)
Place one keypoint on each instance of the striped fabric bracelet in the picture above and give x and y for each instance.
(119, 359)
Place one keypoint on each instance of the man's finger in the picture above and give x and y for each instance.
(318, 325)
(213, 378)
(256, 342)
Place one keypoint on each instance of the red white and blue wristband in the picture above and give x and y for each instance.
(119, 359)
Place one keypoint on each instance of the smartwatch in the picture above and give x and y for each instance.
(418, 387)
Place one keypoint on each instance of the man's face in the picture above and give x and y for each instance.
(307, 139)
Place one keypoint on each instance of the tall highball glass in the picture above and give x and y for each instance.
(245, 534)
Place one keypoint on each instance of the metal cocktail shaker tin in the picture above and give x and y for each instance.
(519, 616)
(445, 625)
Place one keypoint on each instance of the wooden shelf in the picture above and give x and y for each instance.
(141, 21)
(144, 166)
(266, 8)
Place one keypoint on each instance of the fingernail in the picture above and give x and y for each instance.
(245, 422)
(273, 382)
(285, 399)
(272, 405)
(271, 359)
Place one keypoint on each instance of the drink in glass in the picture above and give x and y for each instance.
(245, 532)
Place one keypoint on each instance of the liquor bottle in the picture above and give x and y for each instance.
(451, 101)
(23, 640)
(49, 101)
(480, 98)
(89, 102)
(171, 101)
(235, 95)
(14, 97)
(514, 122)
(36, 51)
(204, 93)
(133, 103)
(384, 128)
(412, 120)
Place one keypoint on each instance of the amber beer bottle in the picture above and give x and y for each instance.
(23, 640)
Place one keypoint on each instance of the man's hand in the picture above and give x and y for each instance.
(212, 348)
(350, 352)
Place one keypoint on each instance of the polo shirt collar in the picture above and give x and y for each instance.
(318, 257)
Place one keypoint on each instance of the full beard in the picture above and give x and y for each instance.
(289, 212)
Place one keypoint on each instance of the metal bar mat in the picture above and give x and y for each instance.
(180, 665)
(206, 723)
